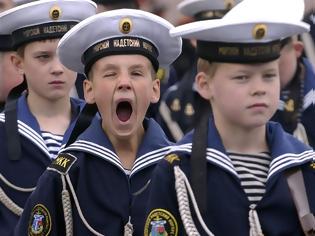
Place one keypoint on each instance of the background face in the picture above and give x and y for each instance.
(9, 76)
(288, 62)
(6, 4)
(46, 77)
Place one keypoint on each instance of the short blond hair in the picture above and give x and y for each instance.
(207, 67)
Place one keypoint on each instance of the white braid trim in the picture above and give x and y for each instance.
(67, 209)
(128, 228)
(14, 186)
(8, 203)
(181, 183)
(300, 133)
(255, 227)
(76, 201)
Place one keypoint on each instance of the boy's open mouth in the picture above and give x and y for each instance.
(124, 111)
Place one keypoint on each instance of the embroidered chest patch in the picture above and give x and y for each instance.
(40, 221)
(62, 163)
(160, 223)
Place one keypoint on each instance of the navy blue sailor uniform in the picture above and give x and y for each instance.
(107, 196)
(26, 151)
(35, 157)
(298, 107)
(227, 204)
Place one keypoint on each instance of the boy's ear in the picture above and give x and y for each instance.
(88, 91)
(203, 85)
(17, 61)
(155, 91)
(298, 47)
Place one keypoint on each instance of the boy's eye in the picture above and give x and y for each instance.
(109, 74)
(241, 77)
(137, 73)
(43, 56)
(270, 75)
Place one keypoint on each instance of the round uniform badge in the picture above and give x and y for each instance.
(55, 13)
(40, 221)
(259, 31)
(125, 25)
(160, 223)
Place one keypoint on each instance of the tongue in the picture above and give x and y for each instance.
(123, 111)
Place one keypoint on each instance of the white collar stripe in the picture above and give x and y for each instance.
(282, 158)
(30, 134)
(222, 164)
(135, 168)
(155, 152)
(39, 145)
(152, 155)
(180, 149)
(309, 99)
(94, 152)
(110, 152)
(94, 146)
(213, 155)
(103, 152)
(219, 156)
(289, 161)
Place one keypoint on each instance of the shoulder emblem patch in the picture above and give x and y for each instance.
(62, 163)
(40, 221)
(175, 105)
(171, 158)
(160, 223)
(312, 166)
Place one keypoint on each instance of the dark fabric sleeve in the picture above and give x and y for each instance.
(43, 212)
(162, 209)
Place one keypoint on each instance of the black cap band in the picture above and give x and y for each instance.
(239, 52)
(40, 32)
(5, 43)
(208, 15)
(119, 46)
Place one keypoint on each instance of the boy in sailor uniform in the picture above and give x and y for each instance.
(181, 105)
(99, 184)
(296, 111)
(35, 125)
(237, 173)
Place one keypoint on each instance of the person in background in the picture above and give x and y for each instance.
(9, 76)
(181, 106)
(107, 5)
(6, 4)
(36, 123)
(296, 111)
(107, 170)
(237, 173)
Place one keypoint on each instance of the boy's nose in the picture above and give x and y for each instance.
(124, 82)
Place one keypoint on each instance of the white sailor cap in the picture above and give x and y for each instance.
(248, 33)
(206, 9)
(123, 31)
(44, 19)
